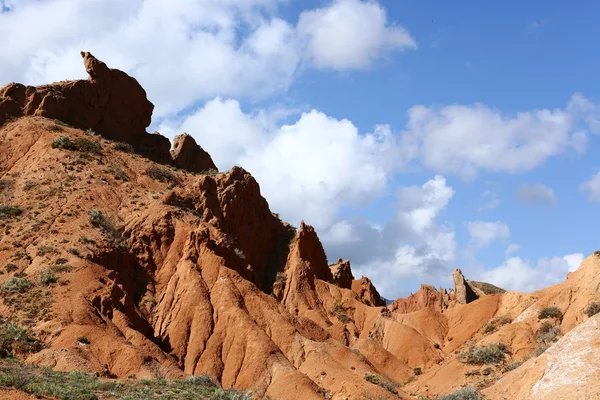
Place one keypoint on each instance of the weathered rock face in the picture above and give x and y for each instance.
(464, 292)
(110, 102)
(367, 292)
(570, 369)
(189, 156)
(342, 274)
(426, 297)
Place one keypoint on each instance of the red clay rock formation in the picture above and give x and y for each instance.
(426, 297)
(366, 291)
(464, 292)
(342, 274)
(189, 156)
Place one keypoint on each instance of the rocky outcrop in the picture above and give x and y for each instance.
(110, 103)
(484, 288)
(189, 156)
(464, 292)
(426, 297)
(367, 292)
(342, 274)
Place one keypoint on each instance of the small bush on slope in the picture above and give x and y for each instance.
(9, 212)
(78, 144)
(490, 354)
(467, 393)
(593, 309)
(550, 312)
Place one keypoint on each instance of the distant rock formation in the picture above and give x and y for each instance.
(426, 297)
(367, 292)
(342, 274)
(464, 292)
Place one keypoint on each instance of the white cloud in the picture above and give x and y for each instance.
(186, 51)
(483, 233)
(462, 140)
(535, 193)
(350, 34)
(592, 188)
(520, 275)
(511, 249)
(307, 170)
(415, 244)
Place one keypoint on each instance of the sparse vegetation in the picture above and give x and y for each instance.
(47, 277)
(466, 393)
(124, 147)
(97, 219)
(490, 354)
(417, 371)
(495, 324)
(370, 377)
(592, 309)
(11, 267)
(162, 174)
(7, 212)
(15, 339)
(340, 312)
(550, 336)
(16, 285)
(78, 144)
(82, 386)
(550, 312)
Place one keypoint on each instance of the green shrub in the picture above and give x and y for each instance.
(13, 339)
(370, 377)
(162, 174)
(202, 380)
(98, 220)
(47, 277)
(417, 371)
(550, 336)
(16, 285)
(124, 147)
(78, 144)
(466, 393)
(11, 267)
(550, 312)
(490, 354)
(9, 212)
(593, 309)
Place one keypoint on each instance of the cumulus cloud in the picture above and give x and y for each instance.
(483, 233)
(415, 245)
(464, 139)
(187, 51)
(535, 193)
(350, 34)
(521, 275)
(592, 188)
(307, 169)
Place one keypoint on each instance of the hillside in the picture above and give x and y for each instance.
(128, 260)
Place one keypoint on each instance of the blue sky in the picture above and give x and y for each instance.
(417, 137)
